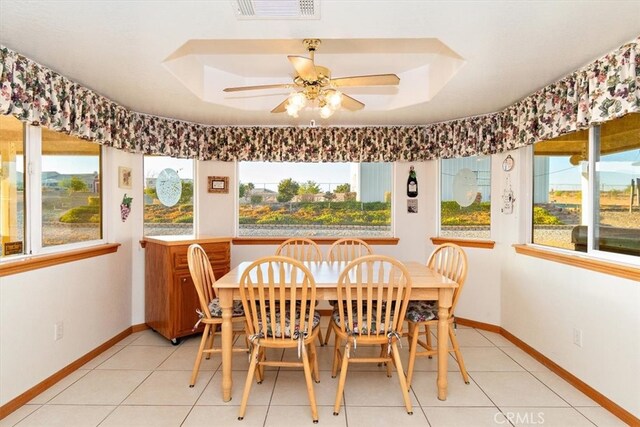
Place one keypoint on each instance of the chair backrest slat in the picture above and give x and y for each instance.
(348, 249)
(374, 289)
(274, 288)
(202, 276)
(300, 249)
(450, 260)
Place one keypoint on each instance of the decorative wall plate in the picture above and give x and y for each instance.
(465, 187)
(508, 163)
(168, 187)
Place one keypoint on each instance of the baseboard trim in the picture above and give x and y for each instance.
(592, 393)
(139, 327)
(25, 397)
(479, 325)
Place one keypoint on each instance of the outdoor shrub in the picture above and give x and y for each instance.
(81, 214)
(542, 216)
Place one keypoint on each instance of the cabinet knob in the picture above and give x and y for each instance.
(184, 280)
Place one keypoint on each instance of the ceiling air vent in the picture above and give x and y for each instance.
(277, 9)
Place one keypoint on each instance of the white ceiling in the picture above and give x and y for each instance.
(510, 49)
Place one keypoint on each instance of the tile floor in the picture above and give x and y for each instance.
(143, 381)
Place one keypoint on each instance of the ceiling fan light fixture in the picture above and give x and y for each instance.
(334, 99)
(292, 110)
(297, 99)
(326, 111)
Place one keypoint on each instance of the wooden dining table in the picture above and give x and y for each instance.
(426, 285)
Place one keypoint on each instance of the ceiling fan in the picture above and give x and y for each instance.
(314, 83)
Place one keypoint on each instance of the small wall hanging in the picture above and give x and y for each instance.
(218, 184)
(412, 183)
(125, 207)
(508, 199)
(124, 177)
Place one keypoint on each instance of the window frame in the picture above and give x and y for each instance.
(391, 239)
(589, 207)
(32, 137)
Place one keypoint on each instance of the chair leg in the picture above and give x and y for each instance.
(328, 333)
(320, 340)
(411, 330)
(428, 332)
(456, 349)
(211, 340)
(260, 368)
(343, 377)
(308, 379)
(246, 336)
(412, 353)
(248, 383)
(313, 353)
(196, 365)
(401, 378)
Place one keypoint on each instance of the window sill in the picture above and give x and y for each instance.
(36, 262)
(581, 261)
(318, 240)
(467, 243)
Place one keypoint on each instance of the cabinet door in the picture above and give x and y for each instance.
(185, 305)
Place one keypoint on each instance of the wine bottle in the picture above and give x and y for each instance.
(412, 184)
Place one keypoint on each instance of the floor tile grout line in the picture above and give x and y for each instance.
(485, 393)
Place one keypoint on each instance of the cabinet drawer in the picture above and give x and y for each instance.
(217, 253)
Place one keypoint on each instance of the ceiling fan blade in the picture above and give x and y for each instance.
(350, 103)
(241, 88)
(281, 107)
(371, 80)
(304, 67)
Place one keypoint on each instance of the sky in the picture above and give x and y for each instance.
(565, 176)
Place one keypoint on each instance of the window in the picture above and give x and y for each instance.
(58, 202)
(587, 189)
(465, 197)
(71, 208)
(315, 199)
(168, 196)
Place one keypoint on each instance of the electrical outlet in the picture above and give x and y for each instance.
(58, 330)
(577, 337)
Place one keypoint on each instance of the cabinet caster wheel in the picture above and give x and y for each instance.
(175, 341)
(410, 413)
(191, 386)
(259, 382)
(335, 414)
(240, 418)
(315, 421)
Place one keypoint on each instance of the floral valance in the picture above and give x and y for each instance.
(604, 90)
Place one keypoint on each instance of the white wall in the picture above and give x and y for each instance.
(92, 297)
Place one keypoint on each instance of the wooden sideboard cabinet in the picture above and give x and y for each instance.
(170, 297)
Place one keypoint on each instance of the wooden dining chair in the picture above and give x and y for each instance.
(346, 249)
(373, 292)
(304, 250)
(279, 296)
(210, 311)
(300, 249)
(449, 260)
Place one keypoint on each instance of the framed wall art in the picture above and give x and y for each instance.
(218, 184)
(124, 177)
